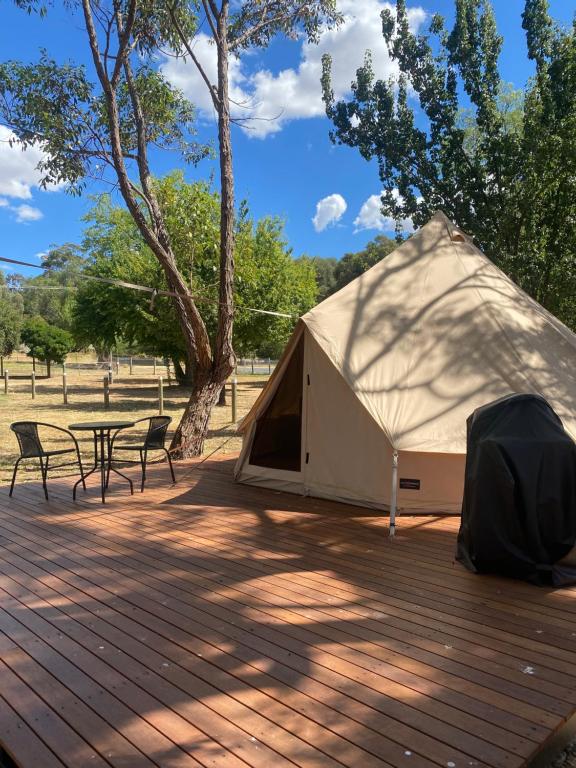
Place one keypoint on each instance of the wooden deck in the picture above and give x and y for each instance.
(217, 625)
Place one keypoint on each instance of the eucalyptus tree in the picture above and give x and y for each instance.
(448, 134)
(87, 128)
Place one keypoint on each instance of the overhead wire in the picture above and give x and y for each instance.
(144, 288)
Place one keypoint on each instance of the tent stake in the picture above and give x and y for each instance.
(394, 495)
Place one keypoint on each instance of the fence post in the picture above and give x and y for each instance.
(6, 378)
(117, 366)
(110, 374)
(33, 384)
(130, 366)
(160, 396)
(34, 364)
(234, 401)
(269, 366)
(252, 365)
(154, 365)
(106, 392)
(1, 366)
(64, 388)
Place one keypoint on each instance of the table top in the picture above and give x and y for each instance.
(95, 426)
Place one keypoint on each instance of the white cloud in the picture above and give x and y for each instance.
(25, 213)
(3, 202)
(329, 210)
(370, 217)
(185, 76)
(273, 99)
(18, 173)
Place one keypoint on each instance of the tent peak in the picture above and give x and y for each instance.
(456, 234)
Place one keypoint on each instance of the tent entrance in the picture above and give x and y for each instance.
(278, 437)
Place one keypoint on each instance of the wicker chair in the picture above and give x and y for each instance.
(31, 448)
(154, 440)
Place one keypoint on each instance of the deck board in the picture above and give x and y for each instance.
(218, 625)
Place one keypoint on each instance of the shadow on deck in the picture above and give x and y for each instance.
(214, 624)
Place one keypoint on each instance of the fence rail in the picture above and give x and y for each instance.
(21, 366)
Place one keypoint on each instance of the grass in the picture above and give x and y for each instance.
(131, 397)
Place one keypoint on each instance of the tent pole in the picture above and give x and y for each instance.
(394, 495)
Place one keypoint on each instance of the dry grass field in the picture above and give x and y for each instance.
(131, 397)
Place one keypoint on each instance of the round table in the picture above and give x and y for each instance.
(102, 456)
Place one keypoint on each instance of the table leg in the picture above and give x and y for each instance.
(102, 467)
(91, 472)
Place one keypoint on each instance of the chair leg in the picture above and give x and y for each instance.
(44, 470)
(144, 460)
(81, 469)
(14, 476)
(167, 452)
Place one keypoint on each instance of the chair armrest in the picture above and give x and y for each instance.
(124, 429)
(59, 429)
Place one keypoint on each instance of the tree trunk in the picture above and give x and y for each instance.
(224, 358)
(208, 380)
(179, 371)
(49, 368)
(191, 433)
(222, 396)
(184, 373)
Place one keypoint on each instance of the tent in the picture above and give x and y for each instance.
(519, 493)
(369, 401)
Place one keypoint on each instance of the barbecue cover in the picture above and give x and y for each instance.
(519, 507)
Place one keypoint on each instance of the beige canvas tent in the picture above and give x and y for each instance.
(369, 401)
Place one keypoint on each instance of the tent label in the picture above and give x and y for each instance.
(409, 484)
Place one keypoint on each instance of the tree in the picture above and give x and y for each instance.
(116, 250)
(51, 294)
(267, 276)
(83, 129)
(333, 274)
(46, 342)
(352, 265)
(507, 176)
(10, 318)
(324, 269)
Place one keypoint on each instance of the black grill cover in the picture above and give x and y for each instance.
(519, 508)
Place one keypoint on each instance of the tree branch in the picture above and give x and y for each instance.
(209, 9)
(186, 43)
(266, 21)
(124, 32)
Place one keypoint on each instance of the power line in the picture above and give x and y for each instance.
(136, 287)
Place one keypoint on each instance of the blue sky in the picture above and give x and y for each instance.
(285, 165)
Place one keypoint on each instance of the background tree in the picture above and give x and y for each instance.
(46, 295)
(324, 270)
(46, 342)
(352, 265)
(10, 318)
(333, 274)
(267, 277)
(506, 176)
